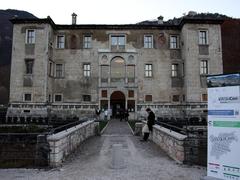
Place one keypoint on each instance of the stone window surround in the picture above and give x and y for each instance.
(60, 44)
(24, 97)
(174, 44)
(58, 94)
(148, 41)
(203, 37)
(30, 37)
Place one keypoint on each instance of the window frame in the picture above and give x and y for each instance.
(27, 72)
(118, 46)
(86, 71)
(174, 70)
(148, 72)
(51, 68)
(30, 39)
(58, 94)
(204, 67)
(57, 70)
(87, 43)
(174, 44)
(148, 44)
(85, 95)
(148, 95)
(176, 98)
(60, 44)
(24, 97)
(203, 40)
(203, 98)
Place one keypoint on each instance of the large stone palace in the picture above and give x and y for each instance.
(69, 70)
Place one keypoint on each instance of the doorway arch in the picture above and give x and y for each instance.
(117, 102)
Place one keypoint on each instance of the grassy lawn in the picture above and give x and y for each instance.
(22, 129)
(102, 125)
(132, 124)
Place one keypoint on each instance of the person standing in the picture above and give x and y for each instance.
(106, 114)
(98, 112)
(149, 126)
(126, 114)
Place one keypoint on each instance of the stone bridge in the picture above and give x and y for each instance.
(93, 160)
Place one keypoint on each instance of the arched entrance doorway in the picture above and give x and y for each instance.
(117, 102)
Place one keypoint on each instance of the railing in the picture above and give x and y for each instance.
(69, 125)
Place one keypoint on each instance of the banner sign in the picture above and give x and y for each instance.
(224, 127)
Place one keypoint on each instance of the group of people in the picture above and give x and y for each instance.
(147, 128)
(123, 114)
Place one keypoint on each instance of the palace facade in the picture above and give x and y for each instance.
(69, 70)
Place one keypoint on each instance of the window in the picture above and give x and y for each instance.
(174, 44)
(148, 41)
(104, 93)
(118, 42)
(203, 39)
(204, 97)
(203, 67)
(148, 70)
(131, 105)
(60, 41)
(27, 97)
(131, 93)
(118, 70)
(58, 97)
(51, 68)
(148, 98)
(174, 70)
(104, 73)
(175, 98)
(131, 73)
(87, 42)
(29, 66)
(49, 98)
(86, 70)
(59, 70)
(30, 36)
(86, 98)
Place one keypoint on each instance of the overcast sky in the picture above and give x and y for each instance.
(120, 11)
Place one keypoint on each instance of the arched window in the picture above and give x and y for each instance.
(117, 69)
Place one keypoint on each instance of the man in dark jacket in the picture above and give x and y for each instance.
(150, 123)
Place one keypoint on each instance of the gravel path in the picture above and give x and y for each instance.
(92, 161)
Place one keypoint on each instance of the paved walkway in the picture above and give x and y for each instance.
(92, 161)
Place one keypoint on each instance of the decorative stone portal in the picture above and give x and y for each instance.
(117, 102)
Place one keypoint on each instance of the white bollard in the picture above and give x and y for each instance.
(117, 156)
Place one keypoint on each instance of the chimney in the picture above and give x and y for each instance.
(160, 20)
(74, 19)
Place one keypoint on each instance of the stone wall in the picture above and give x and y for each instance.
(169, 141)
(64, 143)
